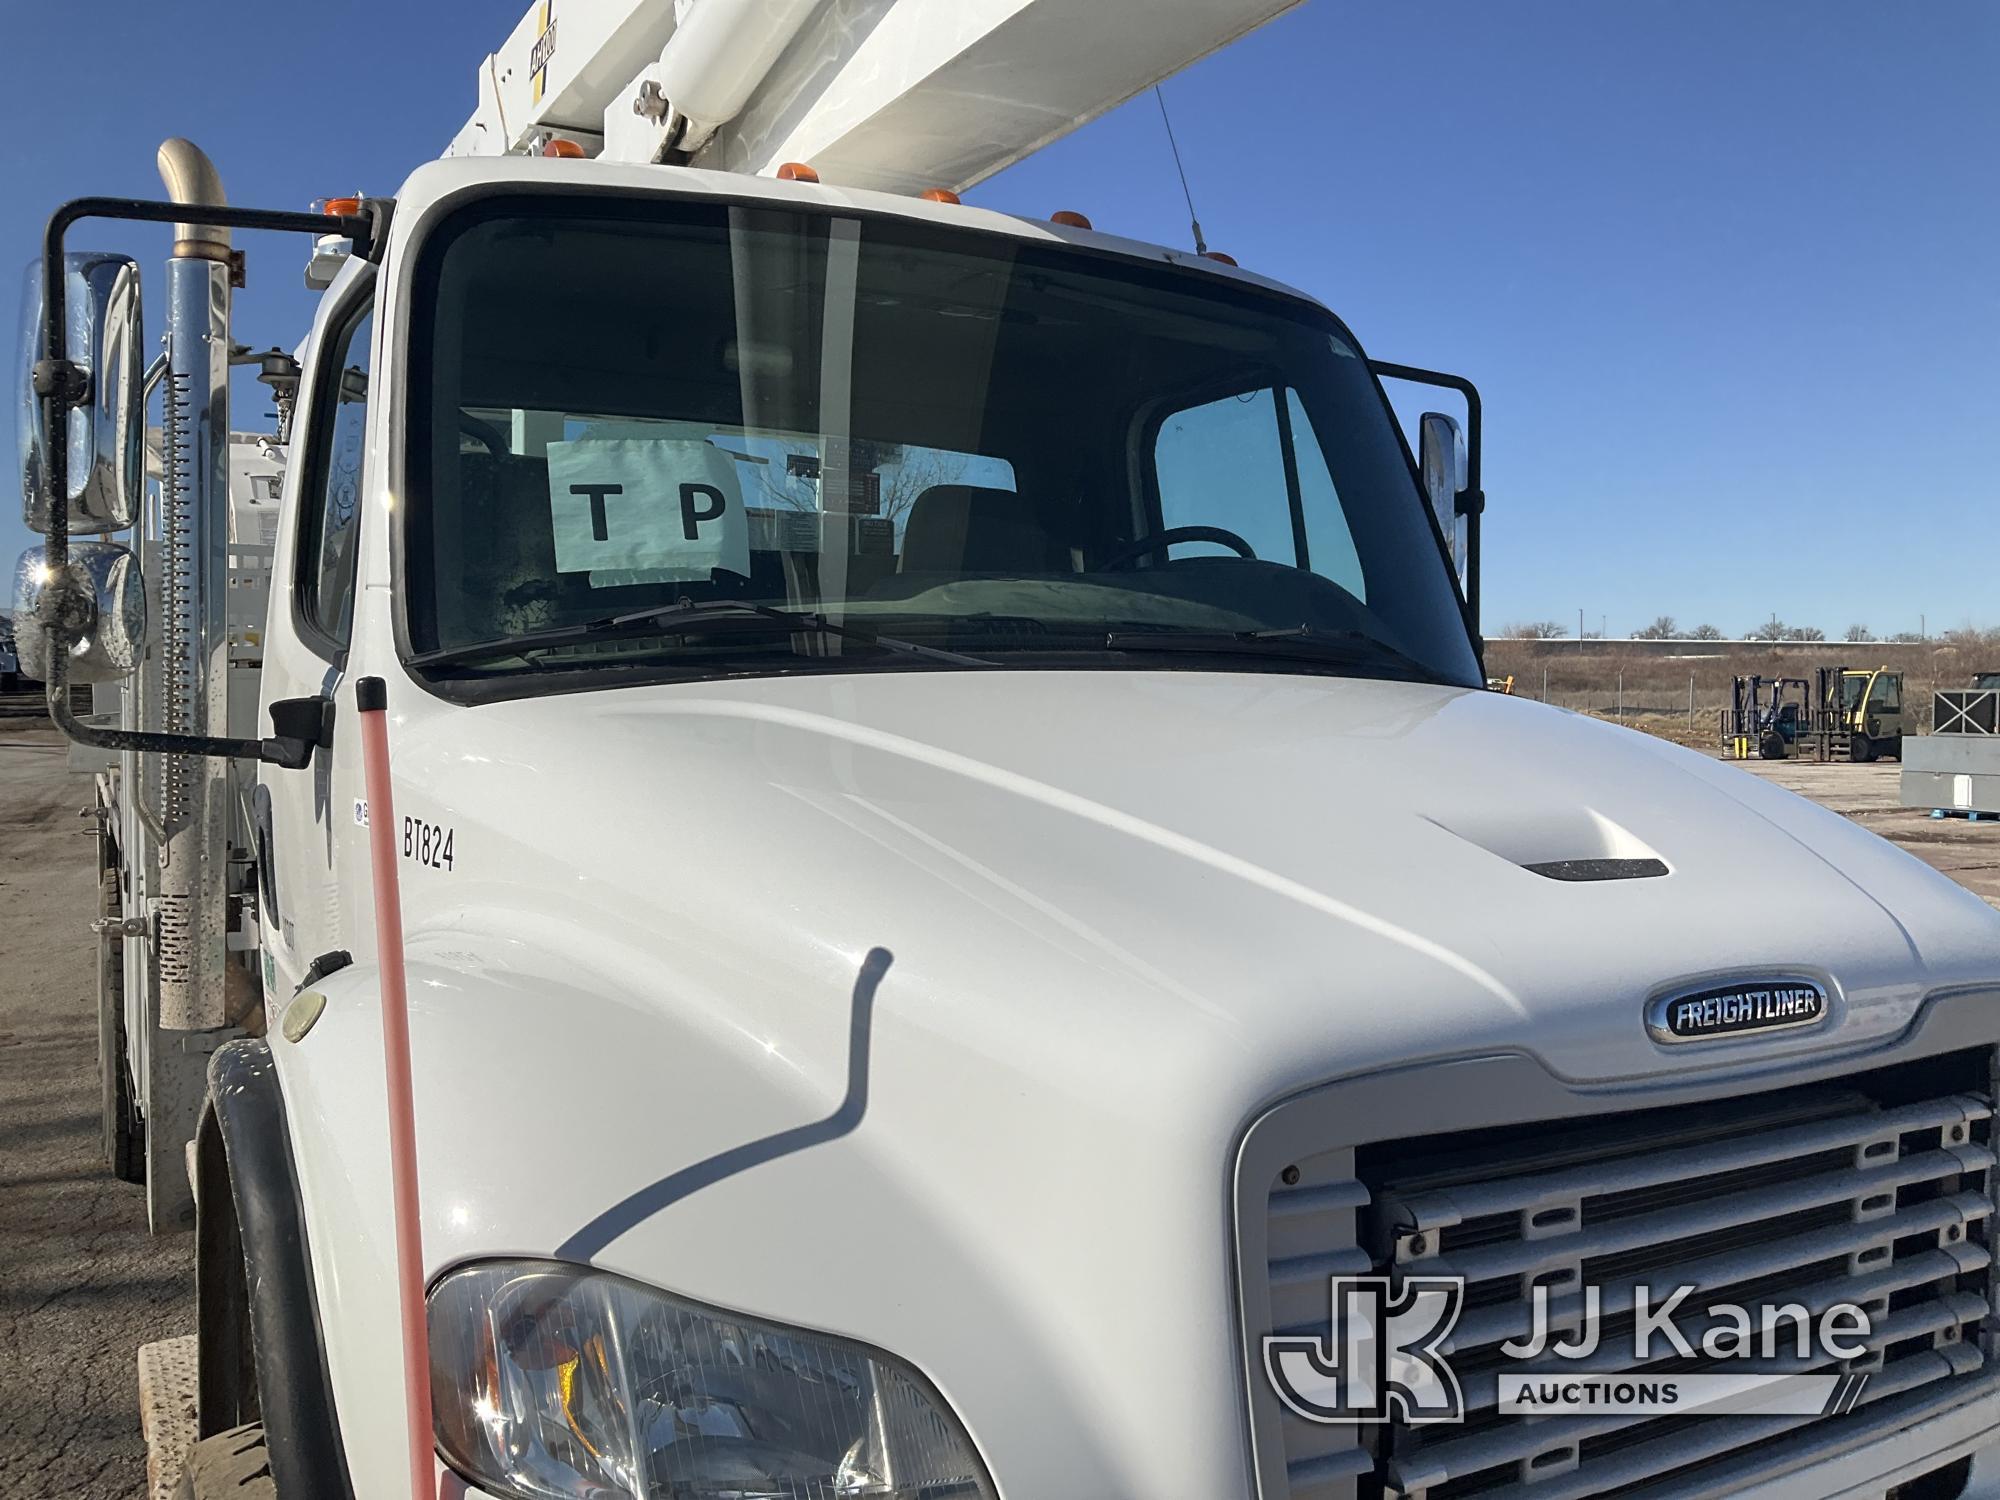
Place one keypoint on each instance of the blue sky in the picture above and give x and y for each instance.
(1727, 273)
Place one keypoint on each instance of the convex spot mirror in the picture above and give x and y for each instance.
(106, 436)
(1441, 457)
(99, 609)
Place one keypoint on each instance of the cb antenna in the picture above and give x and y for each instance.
(1200, 245)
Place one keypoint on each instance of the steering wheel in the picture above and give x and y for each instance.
(1159, 541)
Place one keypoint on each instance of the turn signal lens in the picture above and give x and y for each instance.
(1070, 217)
(797, 171)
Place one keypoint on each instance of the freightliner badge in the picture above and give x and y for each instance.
(1737, 1009)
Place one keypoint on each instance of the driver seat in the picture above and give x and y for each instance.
(963, 528)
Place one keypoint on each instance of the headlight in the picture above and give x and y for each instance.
(556, 1382)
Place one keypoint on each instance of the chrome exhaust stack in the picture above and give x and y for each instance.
(191, 178)
(185, 687)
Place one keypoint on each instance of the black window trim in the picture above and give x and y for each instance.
(329, 360)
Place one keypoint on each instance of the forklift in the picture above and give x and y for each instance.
(1842, 713)
(1771, 716)
(1861, 713)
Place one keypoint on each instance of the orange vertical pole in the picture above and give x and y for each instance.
(371, 697)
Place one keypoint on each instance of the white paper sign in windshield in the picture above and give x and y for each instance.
(641, 510)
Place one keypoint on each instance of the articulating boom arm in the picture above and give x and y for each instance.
(899, 95)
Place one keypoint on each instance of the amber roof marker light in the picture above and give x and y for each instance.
(1069, 218)
(567, 150)
(797, 171)
(938, 195)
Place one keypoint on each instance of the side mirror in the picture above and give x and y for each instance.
(106, 434)
(97, 604)
(1441, 458)
(1450, 470)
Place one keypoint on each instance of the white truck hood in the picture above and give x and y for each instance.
(1318, 872)
(1121, 913)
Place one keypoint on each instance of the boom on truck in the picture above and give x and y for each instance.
(957, 866)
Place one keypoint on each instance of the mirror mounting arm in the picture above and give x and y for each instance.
(64, 379)
(273, 751)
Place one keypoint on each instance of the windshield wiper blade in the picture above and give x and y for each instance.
(712, 611)
(1299, 642)
(706, 615)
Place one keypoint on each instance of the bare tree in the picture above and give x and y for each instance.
(1535, 630)
(1705, 633)
(1805, 633)
(1859, 634)
(1772, 629)
(1665, 628)
(1906, 638)
(914, 471)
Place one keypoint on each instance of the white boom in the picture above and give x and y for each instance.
(899, 95)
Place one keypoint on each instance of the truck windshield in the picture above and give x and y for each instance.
(836, 434)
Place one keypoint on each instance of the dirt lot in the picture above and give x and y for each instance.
(1968, 852)
(1648, 684)
(82, 1284)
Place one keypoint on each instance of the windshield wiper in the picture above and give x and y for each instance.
(1298, 642)
(687, 616)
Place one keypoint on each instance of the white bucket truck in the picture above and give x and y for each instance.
(959, 874)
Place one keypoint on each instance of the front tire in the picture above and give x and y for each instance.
(232, 1465)
(1860, 750)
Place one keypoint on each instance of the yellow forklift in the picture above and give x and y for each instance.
(1861, 713)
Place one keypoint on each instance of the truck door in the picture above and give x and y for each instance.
(298, 815)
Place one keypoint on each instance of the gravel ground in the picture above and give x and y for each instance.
(82, 1283)
(1968, 852)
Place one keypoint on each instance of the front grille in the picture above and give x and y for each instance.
(1874, 1190)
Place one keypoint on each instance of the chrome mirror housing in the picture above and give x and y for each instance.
(1441, 457)
(106, 433)
(97, 605)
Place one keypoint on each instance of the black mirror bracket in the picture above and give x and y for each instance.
(303, 726)
(62, 379)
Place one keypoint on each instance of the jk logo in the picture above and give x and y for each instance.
(1379, 1358)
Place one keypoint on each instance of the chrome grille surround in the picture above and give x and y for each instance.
(1869, 1181)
